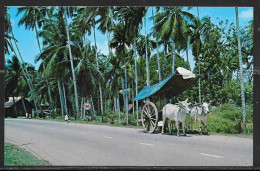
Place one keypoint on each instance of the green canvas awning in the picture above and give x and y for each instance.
(175, 84)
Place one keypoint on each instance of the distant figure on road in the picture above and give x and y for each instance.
(67, 118)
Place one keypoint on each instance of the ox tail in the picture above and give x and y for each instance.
(163, 111)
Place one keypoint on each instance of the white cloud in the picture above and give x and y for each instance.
(247, 14)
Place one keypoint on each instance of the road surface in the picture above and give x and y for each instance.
(70, 144)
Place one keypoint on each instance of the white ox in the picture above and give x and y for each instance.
(175, 113)
(199, 113)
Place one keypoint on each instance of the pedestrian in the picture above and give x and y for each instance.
(67, 118)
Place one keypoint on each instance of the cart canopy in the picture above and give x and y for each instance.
(176, 83)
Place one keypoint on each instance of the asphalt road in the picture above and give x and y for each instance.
(70, 144)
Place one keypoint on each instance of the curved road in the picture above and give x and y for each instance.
(70, 144)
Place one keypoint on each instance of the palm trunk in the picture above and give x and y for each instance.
(15, 110)
(158, 61)
(199, 81)
(111, 19)
(105, 103)
(81, 112)
(108, 36)
(72, 68)
(115, 106)
(146, 55)
(65, 101)
(73, 107)
(100, 91)
(119, 109)
(241, 71)
(173, 57)
(44, 70)
(61, 99)
(84, 111)
(136, 80)
(158, 56)
(25, 110)
(187, 54)
(133, 96)
(122, 79)
(92, 108)
(199, 61)
(98, 108)
(126, 96)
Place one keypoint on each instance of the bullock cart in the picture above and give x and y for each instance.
(160, 93)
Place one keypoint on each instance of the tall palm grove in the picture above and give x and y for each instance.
(73, 71)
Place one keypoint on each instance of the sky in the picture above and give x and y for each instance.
(27, 41)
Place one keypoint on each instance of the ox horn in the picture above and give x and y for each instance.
(186, 99)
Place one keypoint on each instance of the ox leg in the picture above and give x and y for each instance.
(169, 126)
(200, 127)
(192, 126)
(206, 127)
(177, 125)
(183, 127)
(188, 123)
(164, 119)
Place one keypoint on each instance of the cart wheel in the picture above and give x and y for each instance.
(149, 117)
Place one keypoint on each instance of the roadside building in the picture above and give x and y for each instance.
(17, 107)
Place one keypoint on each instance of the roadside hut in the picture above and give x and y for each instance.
(18, 106)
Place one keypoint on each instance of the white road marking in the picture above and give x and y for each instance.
(107, 137)
(210, 155)
(145, 144)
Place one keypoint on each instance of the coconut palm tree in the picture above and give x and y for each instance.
(105, 22)
(195, 32)
(8, 38)
(13, 74)
(155, 34)
(87, 16)
(144, 49)
(241, 70)
(66, 12)
(33, 18)
(121, 42)
(170, 24)
(15, 82)
(56, 53)
(24, 68)
(132, 16)
(87, 72)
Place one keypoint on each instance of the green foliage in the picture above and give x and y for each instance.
(227, 119)
(232, 93)
(112, 116)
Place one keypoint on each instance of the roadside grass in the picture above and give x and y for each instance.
(16, 156)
